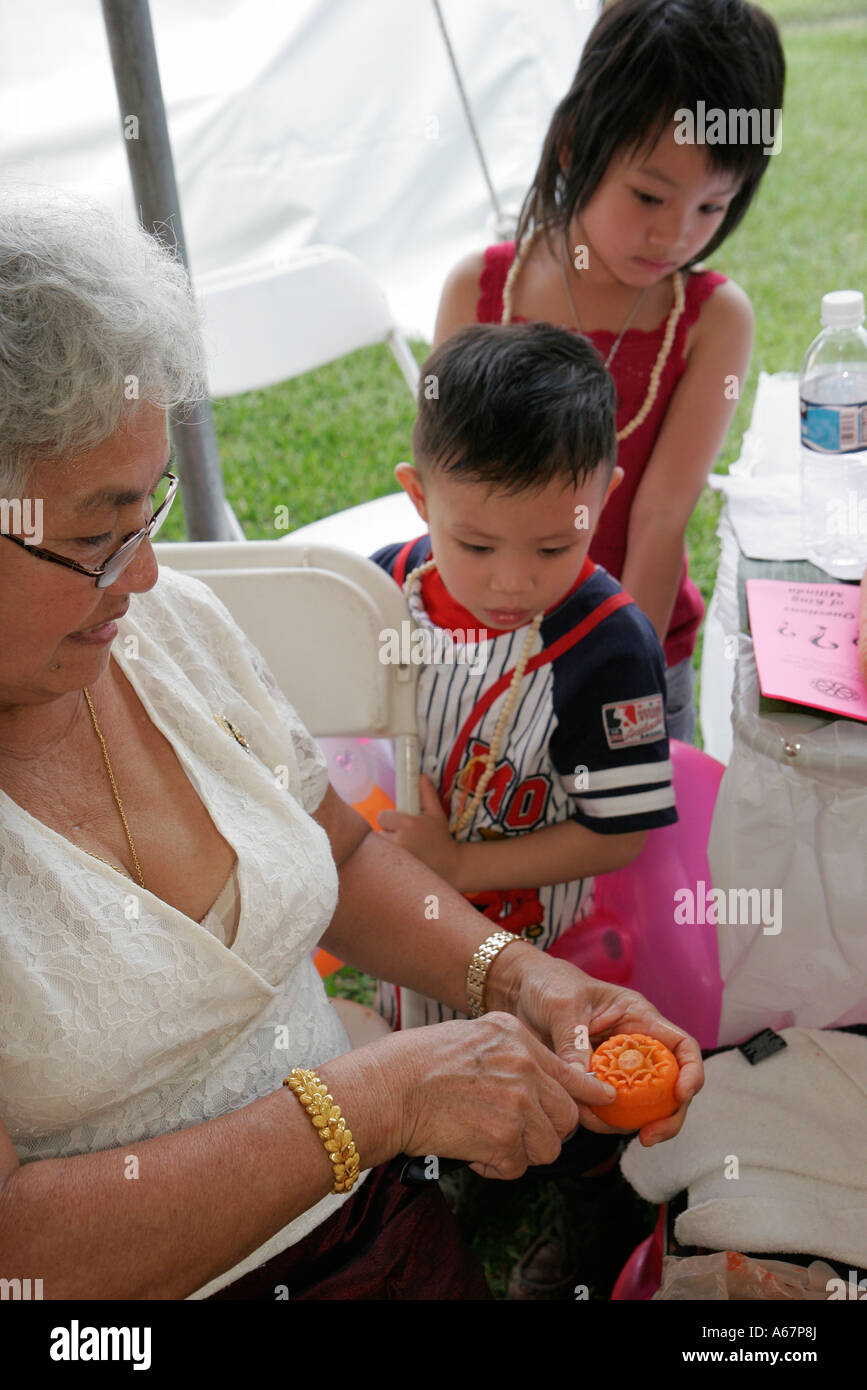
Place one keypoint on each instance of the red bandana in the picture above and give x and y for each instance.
(446, 612)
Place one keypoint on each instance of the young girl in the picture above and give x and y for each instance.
(621, 210)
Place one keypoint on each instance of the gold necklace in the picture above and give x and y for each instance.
(630, 316)
(521, 253)
(466, 811)
(98, 733)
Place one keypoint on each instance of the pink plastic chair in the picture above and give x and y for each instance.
(632, 937)
(641, 1276)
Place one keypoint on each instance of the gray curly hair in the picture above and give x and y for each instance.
(93, 312)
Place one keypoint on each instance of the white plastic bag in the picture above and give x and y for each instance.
(728, 1275)
(793, 822)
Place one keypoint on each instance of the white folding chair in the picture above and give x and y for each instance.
(266, 322)
(317, 613)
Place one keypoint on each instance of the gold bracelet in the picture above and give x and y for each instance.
(330, 1126)
(478, 967)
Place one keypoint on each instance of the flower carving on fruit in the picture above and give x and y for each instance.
(631, 1061)
(643, 1072)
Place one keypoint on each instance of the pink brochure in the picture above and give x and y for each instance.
(805, 638)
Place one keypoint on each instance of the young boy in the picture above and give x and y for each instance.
(549, 758)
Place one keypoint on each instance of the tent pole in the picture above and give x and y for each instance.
(136, 76)
(468, 112)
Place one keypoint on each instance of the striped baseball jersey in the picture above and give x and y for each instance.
(586, 739)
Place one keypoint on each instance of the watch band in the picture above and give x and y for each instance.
(478, 967)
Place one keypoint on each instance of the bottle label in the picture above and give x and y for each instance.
(834, 429)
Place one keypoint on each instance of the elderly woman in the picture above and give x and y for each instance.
(162, 887)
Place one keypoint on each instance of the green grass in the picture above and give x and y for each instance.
(348, 983)
(331, 439)
(805, 232)
(314, 446)
(812, 12)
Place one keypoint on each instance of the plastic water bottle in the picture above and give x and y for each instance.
(833, 390)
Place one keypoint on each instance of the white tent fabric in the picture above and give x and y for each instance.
(333, 121)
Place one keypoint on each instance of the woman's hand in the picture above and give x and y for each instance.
(486, 1091)
(426, 835)
(573, 1013)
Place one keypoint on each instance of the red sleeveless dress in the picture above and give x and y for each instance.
(631, 370)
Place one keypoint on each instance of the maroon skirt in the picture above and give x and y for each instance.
(387, 1242)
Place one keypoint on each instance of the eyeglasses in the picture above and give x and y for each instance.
(107, 573)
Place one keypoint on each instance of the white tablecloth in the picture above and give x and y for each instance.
(791, 815)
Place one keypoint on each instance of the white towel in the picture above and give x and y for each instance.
(765, 513)
(763, 486)
(797, 1125)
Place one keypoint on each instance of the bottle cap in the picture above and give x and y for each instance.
(842, 309)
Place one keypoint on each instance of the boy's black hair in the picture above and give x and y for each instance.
(644, 60)
(516, 407)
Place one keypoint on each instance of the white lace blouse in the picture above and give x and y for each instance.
(122, 1019)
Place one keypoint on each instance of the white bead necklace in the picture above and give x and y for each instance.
(637, 420)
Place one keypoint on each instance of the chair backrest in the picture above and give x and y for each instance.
(318, 615)
(266, 323)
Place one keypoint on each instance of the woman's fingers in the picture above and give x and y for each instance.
(578, 1013)
(629, 1012)
(563, 1090)
(641, 1017)
(489, 1092)
(549, 1111)
(573, 1077)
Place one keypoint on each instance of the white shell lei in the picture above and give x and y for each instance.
(662, 357)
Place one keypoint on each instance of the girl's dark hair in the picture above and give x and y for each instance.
(515, 406)
(643, 61)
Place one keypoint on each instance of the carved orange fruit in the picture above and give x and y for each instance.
(643, 1072)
